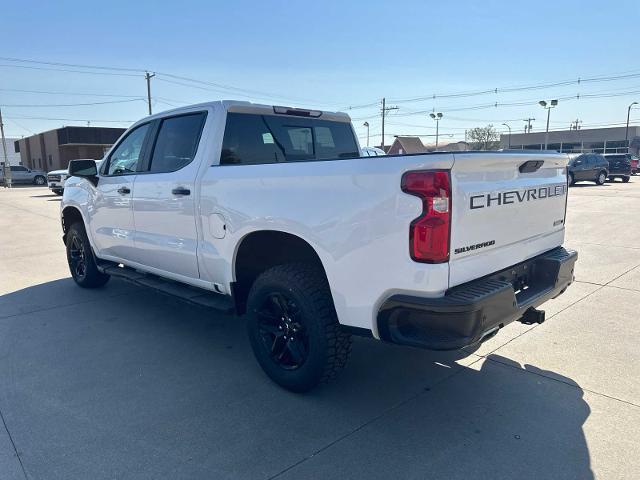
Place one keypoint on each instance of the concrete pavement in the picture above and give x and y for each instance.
(122, 382)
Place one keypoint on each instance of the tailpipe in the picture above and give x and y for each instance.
(531, 316)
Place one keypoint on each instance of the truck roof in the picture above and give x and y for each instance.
(240, 106)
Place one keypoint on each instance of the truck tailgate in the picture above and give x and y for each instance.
(506, 207)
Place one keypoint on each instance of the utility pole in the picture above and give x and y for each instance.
(7, 166)
(148, 76)
(575, 125)
(385, 109)
(626, 135)
(366, 124)
(527, 127)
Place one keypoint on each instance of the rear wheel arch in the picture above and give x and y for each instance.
(261, 250)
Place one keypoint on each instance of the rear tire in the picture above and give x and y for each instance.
(82, 262)
(626, 179)
(570, 179)
(293, 327)
(39, 180)
(611, 179)
(601, 178)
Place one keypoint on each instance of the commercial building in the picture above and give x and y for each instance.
(598, 140)
(14, 158)
(54, 149)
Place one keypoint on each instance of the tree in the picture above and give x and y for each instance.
(484, 138)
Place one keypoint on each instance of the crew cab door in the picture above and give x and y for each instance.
(20, 174)
(111, 216)
(164, 197)
(581, 168)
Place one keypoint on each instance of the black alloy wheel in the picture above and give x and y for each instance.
(77, 258)
(282, 331)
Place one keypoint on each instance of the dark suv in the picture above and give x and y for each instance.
(619, 166)
(588, 166)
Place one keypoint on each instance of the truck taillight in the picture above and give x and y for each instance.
(429, 233)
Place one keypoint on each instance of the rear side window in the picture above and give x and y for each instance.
(177, 142)
(251, 139)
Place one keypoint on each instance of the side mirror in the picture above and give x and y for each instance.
(83, 168)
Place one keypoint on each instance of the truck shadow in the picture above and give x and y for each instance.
(138, 384)
(584, 185)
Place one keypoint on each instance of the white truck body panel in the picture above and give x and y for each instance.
(521, 214)
(352, 212)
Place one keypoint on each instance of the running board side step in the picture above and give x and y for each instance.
(187, 293)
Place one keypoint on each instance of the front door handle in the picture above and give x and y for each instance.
(124, 190)
(181, 191)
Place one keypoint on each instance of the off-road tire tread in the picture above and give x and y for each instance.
(312, 281)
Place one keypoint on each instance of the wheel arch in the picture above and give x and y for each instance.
(260, 250)
(70, 215)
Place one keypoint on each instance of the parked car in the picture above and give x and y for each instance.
(277, 216)
(619, 166)
(591, 167)
(56, 179)
(634, 164)
(20, 174)
(372, 152)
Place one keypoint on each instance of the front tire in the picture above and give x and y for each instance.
(601, 178)
(570, 179)
(626, 179)
(58, 192)
(82, 263)
(39, 180)
(293, 327)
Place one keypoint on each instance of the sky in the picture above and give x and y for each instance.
(461, 58)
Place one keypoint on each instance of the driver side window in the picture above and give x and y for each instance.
(124, 159)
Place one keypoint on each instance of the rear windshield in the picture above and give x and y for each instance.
(251, 139)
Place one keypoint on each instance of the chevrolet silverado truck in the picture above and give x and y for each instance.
(272, 213)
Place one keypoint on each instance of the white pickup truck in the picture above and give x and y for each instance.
(272, 212)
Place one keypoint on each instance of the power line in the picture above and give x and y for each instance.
(69, 119)
(79, 94)
(69, 71)
(70, 104)
(246, 92)
(58, 64)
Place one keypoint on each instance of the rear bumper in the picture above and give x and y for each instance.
(620, 172)
(473, 311)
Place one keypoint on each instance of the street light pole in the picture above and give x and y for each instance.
(547, 107)
(366, 124)
(436, 117)
(626, 135)
(509, 133)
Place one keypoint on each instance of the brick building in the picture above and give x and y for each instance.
(54, 149)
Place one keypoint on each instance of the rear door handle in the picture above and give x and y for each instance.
(181, 191)
(124, 190)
